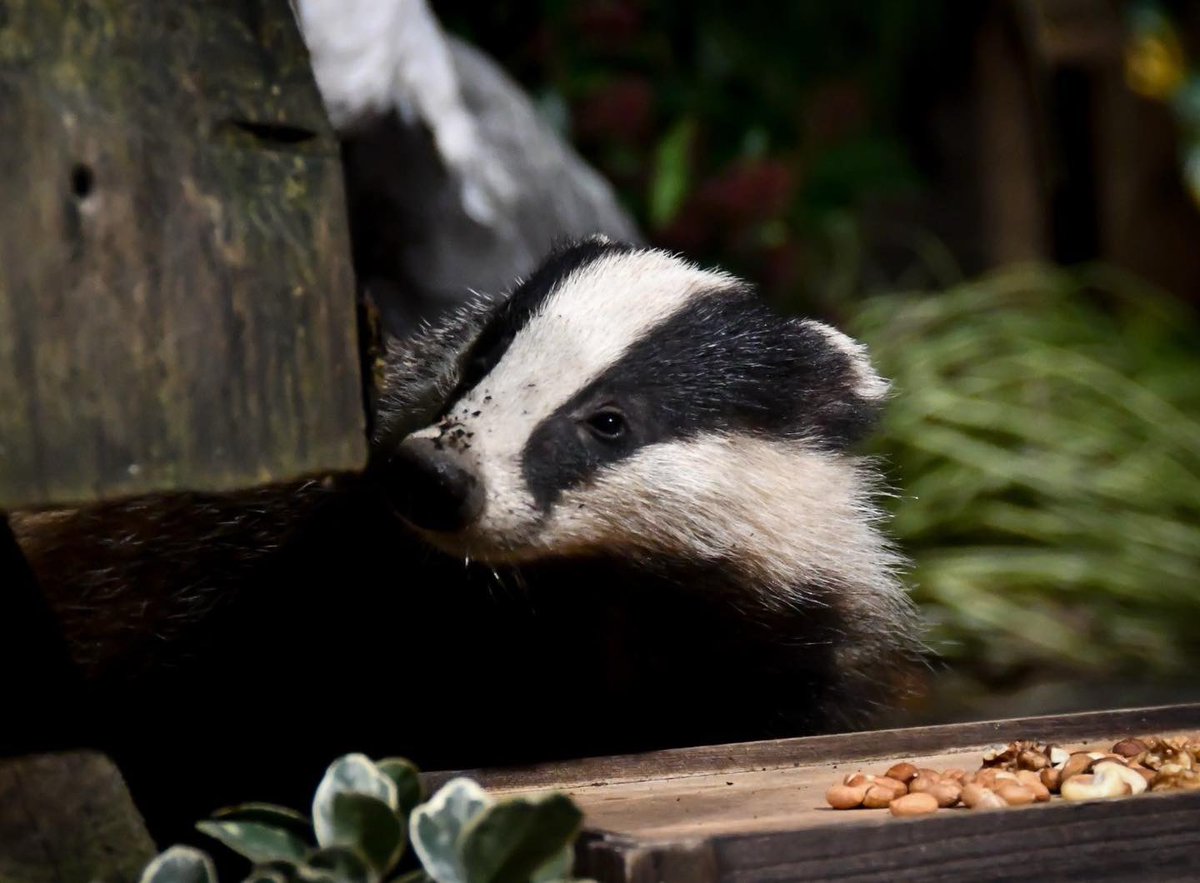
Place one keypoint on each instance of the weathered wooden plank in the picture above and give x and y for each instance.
(1145, 838)
(176, 298)
(757, 811)
(759, 802)
(788, 753)
(67, 818)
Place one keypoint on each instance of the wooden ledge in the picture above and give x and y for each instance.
(756, 811)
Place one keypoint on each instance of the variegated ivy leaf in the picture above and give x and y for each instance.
(513, 840)
(369, 827)
(349, 774)
(558, 868)
(436, 828)
(256, 841)
(408, 783)
(268, 875)
(340, 864)
(180, 864)
(268, 814)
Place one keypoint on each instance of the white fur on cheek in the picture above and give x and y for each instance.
(782, 512)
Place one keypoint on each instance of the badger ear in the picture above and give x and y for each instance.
(842, 394)
(862, 378)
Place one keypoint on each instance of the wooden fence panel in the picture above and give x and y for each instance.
(176, 298)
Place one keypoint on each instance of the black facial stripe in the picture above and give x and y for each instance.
(725, 363)
(515, 312)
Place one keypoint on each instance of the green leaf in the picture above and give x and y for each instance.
(340, 864)
(180, 864)
(413, 877)
(513, 839)
(436, 828)
(256, 841)
(672, 173)
(268, 814)
(408, 783)
(558, 868)
(269, 875)
(275, 871)
(350, 774)
(369, 827)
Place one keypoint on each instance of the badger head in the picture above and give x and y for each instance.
(624, 402)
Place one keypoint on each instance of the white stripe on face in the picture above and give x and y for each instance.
(776, 509)
(584, 326)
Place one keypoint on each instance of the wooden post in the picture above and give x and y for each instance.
(177, 312)
(1013, 189)
(177, 307)
(67, 818)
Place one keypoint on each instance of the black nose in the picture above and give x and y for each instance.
(431, 487)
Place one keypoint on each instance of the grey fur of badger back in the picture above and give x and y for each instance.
(613, 511)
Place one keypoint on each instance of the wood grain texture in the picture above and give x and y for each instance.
(1146, 838)
(176, 300)
(873, 744)
(67, 818)
(756, 812)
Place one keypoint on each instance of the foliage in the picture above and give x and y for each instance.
(365, 813)
(736, 132)
(1045, 434)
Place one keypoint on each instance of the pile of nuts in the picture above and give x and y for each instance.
(1022, 773)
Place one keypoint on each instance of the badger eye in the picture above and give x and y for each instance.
(607, 423)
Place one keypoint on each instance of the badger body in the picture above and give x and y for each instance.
(614, 510)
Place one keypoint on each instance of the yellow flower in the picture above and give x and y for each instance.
(1155, 65)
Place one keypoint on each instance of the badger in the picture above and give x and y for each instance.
(618, 509)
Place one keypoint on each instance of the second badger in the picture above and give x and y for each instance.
(612, 511)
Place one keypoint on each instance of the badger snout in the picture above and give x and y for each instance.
(431, 486)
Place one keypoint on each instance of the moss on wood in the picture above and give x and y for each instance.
(176, 300)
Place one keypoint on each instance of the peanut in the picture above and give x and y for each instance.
(1033, 782)
(1015, 794)
(903, 772)
(987, 799)
(922, 784)
(895, 784)
(1032, 760)
(1026, 772)
(913, 805)
(1129, 747)
(1075, 765)
(1087, 786)
(945, 793)
(878, 797)
(972, 794)
(846, 796)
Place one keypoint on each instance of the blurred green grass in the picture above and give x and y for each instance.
(1044, 439)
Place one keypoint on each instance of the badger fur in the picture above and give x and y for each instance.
(615, 510)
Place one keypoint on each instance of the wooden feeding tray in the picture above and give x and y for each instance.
(756, 811)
